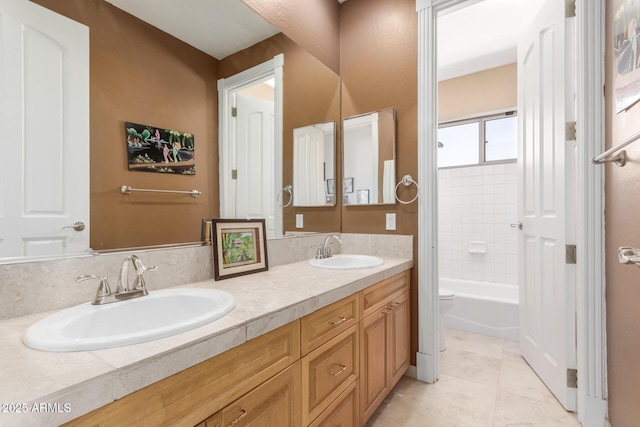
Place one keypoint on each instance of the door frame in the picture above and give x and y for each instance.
(590, 303)
(227, 87)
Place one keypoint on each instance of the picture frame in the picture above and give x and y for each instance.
(362, 197)
(156, 149)
(331, 186)
(347, 185)
(239, 247)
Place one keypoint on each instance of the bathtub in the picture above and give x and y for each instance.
(483, 308)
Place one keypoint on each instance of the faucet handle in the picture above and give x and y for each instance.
(140, 270)
(103, 289)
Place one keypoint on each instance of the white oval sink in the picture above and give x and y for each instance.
(160, 314)
(347, 262)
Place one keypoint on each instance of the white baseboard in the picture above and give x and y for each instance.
(411, 372)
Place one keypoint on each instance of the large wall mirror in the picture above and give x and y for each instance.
(369, 165)
(314, 166)
(141, 74)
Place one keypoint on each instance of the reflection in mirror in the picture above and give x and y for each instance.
(175, 87)
(369, 176)
(314, 165)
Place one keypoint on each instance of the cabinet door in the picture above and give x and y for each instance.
(399, 335)
(277, 402)
(342, 412)
(327, 372)
(374, 357)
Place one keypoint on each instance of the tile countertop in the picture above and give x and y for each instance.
(47, 388)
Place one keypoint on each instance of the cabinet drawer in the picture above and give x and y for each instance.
(328, 371)
(378, 295)
(326, 323)
(274, 403)
(342, 412)
(190, 396)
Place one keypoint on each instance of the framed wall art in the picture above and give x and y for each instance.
(239, 247)
(153, 149)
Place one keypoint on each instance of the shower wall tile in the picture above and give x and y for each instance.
(479, 203)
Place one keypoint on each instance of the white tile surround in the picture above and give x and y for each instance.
(264, 301)
(479, 203)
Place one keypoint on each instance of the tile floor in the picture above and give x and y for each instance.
(483, 382)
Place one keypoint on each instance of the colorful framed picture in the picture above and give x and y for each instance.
(153, 149)
(239, 247)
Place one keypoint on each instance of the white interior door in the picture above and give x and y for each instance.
(44, 117)
(547, 282)
(254, 161)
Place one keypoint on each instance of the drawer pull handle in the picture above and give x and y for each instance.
(234, 422)
(342, 369)
(342, 319)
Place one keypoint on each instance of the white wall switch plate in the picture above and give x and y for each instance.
(299, 221)
(391, 221)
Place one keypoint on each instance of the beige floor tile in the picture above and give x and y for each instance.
(517, 377)
(511, 350)
(480, 344)
(514, 410)
(449, 402)
(471, 366)
(483, 382)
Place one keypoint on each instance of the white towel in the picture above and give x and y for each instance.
(388, 181)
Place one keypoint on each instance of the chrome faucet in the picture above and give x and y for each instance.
(123, 291)
(325, 250)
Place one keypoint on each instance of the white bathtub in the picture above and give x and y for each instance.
(483, 308)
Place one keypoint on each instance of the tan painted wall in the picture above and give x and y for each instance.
(313, 24)
(621, 227)
(142, 75)
(477, 93)
(378, 66)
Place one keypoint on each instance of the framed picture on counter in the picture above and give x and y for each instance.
(239, 247)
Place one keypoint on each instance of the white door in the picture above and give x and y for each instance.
(547, 282)
(254, 160)
(44, 118)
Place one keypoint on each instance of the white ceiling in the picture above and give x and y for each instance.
(482, 36)
(471, 39)
(216, 27)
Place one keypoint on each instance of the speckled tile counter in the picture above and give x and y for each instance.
(45, 389)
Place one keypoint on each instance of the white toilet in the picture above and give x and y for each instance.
(447, 298)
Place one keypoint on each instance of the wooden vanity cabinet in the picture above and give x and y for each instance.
(343, 412)
(330, 364)
(384, 341)
(193, 395)
(276, 402)
(332, 367)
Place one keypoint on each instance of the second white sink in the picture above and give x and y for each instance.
(347, 262)
(160, 314)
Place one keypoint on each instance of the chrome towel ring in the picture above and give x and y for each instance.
(288, 189)
(406, 180)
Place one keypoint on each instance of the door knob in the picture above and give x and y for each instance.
(78, 226)
(517, 225)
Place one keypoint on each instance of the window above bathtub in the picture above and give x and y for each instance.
(480, 140)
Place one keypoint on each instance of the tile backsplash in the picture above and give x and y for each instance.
(477, 206)
(39, 286)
